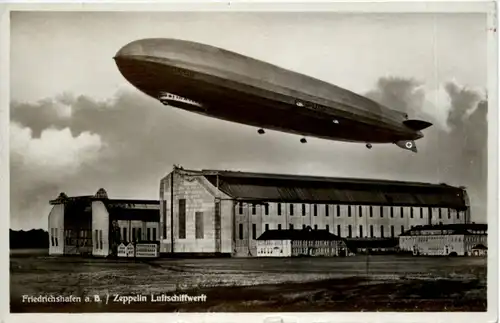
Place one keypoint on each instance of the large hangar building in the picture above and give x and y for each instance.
(97, 225)
(224, 212)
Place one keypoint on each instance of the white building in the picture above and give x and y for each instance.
(224, 212)
(303, 242)
(444, 240)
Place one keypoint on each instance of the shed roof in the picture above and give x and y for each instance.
(247, 186)
(304, 234)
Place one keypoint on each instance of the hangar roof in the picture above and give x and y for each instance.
(64, 199)
(257, 187)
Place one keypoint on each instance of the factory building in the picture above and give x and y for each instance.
(96, 225)
(224, 212)
(445, 240)
(299, 243)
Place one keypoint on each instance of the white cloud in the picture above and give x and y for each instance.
(56, 152)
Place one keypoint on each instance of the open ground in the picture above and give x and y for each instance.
(359, 283)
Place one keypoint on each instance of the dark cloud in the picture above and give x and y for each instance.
(142, 139)
(458, 155)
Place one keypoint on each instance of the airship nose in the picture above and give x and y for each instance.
(134, 48)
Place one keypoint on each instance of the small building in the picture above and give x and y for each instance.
(296, 243)
(98, 226)
(444, 240)
(479, 250)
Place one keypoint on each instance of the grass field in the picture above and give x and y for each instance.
(382, 283)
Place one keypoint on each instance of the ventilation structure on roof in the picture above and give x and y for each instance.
(101, 194)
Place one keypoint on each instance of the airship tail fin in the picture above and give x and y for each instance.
(407, 144)
(417, 125)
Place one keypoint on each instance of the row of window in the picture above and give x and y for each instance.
(327, 227)
(137, 234)
(268, 251)
(350, 210)
(80, 238)
(439, 239)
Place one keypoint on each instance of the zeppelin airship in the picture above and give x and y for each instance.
(226, 85)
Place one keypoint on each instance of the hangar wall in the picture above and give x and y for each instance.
(197, 227)
(100, 229)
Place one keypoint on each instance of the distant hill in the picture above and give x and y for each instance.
(32, 239)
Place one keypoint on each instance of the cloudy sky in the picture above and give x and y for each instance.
(77, 125)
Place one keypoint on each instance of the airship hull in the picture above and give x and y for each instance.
(283, 100)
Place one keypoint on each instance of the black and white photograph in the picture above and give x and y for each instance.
(215, 161)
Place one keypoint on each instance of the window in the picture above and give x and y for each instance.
(326, 210)
(55, 237)
(182, 219)
(339, 233)
(303, 210)
(361, 231)
(381, 231)
(279, 226)
(458, 215)
(303, 226)
(338, 210)
(360, 211)
(133, 234)
(371, 231)
(392, 231)
(254, 209)
(148, 234)
(100, 239)
(402, 212)
(402, 229)
(349, 231)
(125, 238)
(439, 213)
(421, 212)
(199, 225)
(240, 231)
(139, 234)
(291, 209)
(254, 231)
(371, 211)
(315, 227)
(240, 208)
(154, 234)
(96, 239)
(381, 211)
(267, 226)
(291, 226)
(349, 210)
(411, 212)
(266, 208)
(315, 207)
(327, 228)
(279, 208)
(392, 211)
